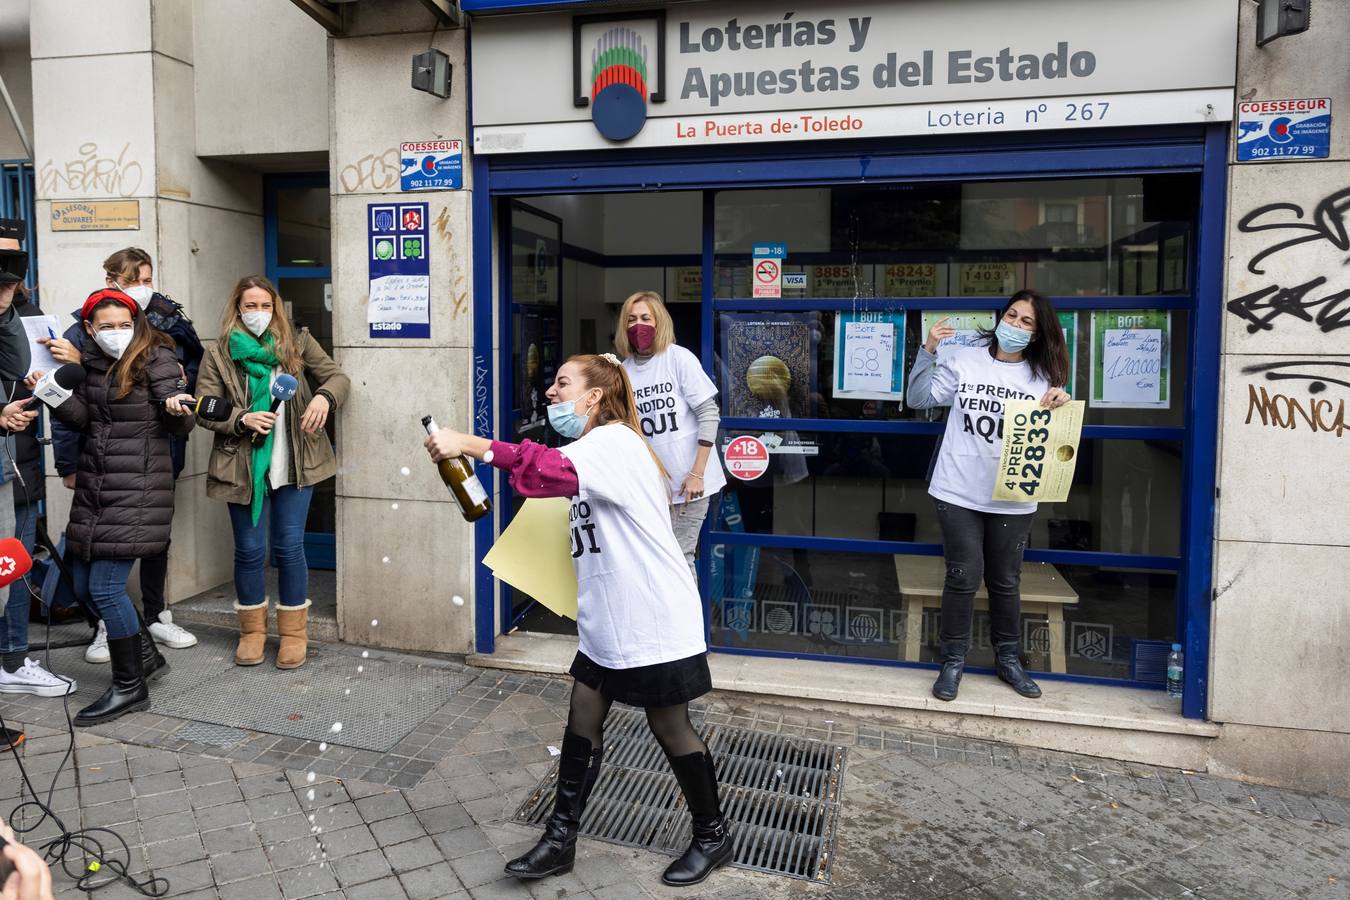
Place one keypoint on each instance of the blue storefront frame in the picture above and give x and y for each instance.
(1102, 153)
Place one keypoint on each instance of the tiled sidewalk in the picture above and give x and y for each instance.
(923, 816)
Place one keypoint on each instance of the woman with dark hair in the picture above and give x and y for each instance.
(1024, 357)
(265, 464)
(128, 405)
(639, 616)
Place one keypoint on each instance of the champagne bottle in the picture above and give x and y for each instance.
(458, 475)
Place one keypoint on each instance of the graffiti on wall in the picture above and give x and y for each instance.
(372, 172)
(1308, 298)
(92, 173)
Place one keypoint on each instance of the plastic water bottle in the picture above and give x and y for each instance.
(1175, 666)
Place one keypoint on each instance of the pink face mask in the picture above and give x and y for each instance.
(641, 337)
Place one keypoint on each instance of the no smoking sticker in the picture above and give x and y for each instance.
(767, 267)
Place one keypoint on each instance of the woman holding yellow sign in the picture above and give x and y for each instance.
(1023, 358)
(639, 615)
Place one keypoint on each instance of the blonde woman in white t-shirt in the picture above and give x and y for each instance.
(1024, 357)
(639, 617)
(677, 410)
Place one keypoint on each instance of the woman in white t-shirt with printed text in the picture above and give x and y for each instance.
(639, 617)
(677, 409)
(1023, 358)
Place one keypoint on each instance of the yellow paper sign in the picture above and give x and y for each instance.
(534, 554)
(1040, 451)
(97, 215)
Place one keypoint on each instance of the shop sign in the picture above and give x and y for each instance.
(97, 215)
(399, 304)
(766, 270)
(988, 279)
(711, 73)
(432, 166)
(1284, 129)
(746, 458)
(910, 280)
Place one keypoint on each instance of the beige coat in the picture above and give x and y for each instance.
(229, 474)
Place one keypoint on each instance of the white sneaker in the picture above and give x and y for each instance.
(171, 635)
(97, 652)
(33, 679)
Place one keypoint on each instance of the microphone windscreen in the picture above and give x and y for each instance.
(285, 386)
(70, 376)
(14, 561)
(213, 409)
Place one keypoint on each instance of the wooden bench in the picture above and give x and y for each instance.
(1045, 592)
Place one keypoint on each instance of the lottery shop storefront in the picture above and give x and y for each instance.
(811, 188)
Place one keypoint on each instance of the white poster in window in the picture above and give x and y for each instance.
(868, 350)
(399, 298)
(868, 364)
(968, 325)
(1129, 365)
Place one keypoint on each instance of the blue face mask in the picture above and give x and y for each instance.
(564, 419)
(1011, 339)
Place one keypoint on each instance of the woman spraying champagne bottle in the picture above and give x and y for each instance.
(638, 611)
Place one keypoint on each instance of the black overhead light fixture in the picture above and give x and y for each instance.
(1277, 18)
(431, 72)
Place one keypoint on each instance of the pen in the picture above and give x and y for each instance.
(50, 333)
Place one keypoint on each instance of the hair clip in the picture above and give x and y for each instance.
(611, 358)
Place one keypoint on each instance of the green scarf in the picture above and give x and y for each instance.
(257, 359)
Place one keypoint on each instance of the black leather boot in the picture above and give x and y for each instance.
(953, 664)
(711, 846)
(153, 662)
(578, 768)
(127, 693)
(1010, 670)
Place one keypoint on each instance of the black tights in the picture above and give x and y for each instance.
(670, 724)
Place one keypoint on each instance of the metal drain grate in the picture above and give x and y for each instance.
(780, 794)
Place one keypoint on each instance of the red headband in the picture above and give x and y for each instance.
(99, 296)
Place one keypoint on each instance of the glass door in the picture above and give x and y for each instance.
(298, 229)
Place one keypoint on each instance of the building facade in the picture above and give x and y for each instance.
(784, 176)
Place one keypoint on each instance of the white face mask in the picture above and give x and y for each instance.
(256, 322)
(114, 343)
(140, 293)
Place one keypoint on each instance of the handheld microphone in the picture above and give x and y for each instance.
(283, 389)
(213, 409)
(14, 561)
(57, 386)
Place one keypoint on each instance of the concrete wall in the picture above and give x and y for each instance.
(114, 108)
(263, 90)
(403, 549)
(1280, 671)
(15, 69)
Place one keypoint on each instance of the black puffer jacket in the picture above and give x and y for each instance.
(123, 504)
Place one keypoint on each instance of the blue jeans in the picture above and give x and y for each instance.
(14, 627)
(104, 583)
(284, 511)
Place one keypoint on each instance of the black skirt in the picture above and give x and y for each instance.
(662, 684)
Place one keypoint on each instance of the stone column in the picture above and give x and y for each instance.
(403, 549)
(113, 120)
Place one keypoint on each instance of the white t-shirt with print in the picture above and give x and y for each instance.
(637, 604)
(977, 385)
(667, 387)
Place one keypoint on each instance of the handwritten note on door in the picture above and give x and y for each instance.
(400, 298)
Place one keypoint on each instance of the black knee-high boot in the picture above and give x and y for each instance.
(711, 846)
(578, 768)
(153, 663)
(127, 693)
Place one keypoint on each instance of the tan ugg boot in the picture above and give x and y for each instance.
(293, 626)
(252, 634)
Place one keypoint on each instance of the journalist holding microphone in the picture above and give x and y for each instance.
(126, 407)
(268, 455)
